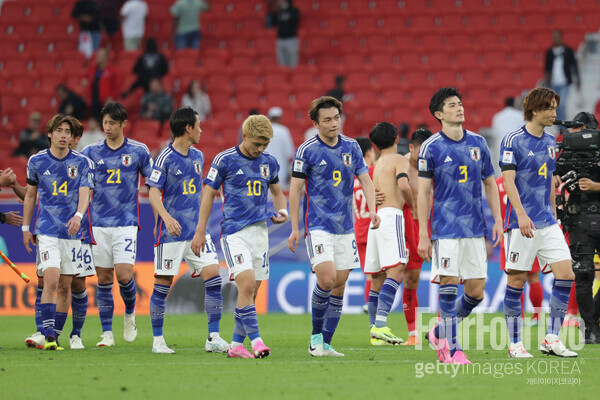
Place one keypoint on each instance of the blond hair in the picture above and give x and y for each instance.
(258, 126)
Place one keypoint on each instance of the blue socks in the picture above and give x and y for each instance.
(128, 293)
(239, 333)
(512, 312)
(332, 317)
(79, 305)
(465, 305)
(158, 303)
(386, 300)
(320, 303)
(48, 311)
(248, 316)
(106, 306)
(372, 305)
(59, 322)
(559, 300)
(448, 316)
(213, 303)
(39, 326)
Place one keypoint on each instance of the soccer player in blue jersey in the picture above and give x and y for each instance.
(119, 161)
(245, 173)
(175, 188)
(60, 178)
(528, 160)
(455, 161)
(328, 163)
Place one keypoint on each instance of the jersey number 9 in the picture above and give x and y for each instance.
(337, 177)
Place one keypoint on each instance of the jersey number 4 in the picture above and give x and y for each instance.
(543, 171)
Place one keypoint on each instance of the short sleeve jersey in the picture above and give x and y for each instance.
(245, 183)
(117, 181)
(329, 172)
(179, 178)
(361, 211)
(534, 160)
(58, 182)
(457, 169)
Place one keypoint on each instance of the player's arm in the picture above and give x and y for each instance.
(369, 191)
(525, 223)
(402, 180)
(587, 184)
(28, 206)
(423, 205)
(206, 204)
(82, 204)
(280, 204)
(493, 200)
(171, 223)
(296, 187)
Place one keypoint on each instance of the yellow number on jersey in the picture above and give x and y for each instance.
(189, 187)
(543, 171)
(337, 177)
(463, 171)
(254, 188)
(112, 173)
(61, 189)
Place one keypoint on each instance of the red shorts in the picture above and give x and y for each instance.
(534, 269)
(411, 233)
(362, 250)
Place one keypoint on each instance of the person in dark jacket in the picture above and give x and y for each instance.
(70, 103)
(561, 71)
(148, 66)
(287, 44)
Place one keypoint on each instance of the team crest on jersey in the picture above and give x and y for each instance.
(347, 157)
(44, 256)
(168, 264)
(198, 167)
(265, 171)
(514, 257)
(319, 249)
(238, 258)
(551, 152)
(445, 262)
(72, 171)
(126, 159)
(475, 153)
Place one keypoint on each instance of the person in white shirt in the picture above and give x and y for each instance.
(91, 135)
(133, 18)
(197, 99)
(506, 120)
(281, 146)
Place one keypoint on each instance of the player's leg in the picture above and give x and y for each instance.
(536, 293)
(445, 333)
(124, 254)
(473, 271)
(247, 288)
(387, 294)
(63, 302)
(376, 284)
(410, 302)
(471, 298)
(158, 304)
(79, 307)
(103, 258)
(334, 313)
(48, 306)
(512, 311)
(37, 340)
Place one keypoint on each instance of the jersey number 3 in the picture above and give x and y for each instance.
(462, 169)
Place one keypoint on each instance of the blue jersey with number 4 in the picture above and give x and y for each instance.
(457, 169)
(534, 160)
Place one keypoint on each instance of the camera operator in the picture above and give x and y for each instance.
(582, 218)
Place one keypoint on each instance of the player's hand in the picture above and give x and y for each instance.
(74, 224)
(424, 248)
(379, 197)
(280, 218)
(375, 220)
(497, 233)
(173, 227)
(13, 218)
(198, 243)
(556, 181)
(526, 226)
(293, 240)
(7, 177)
(28, 239)
(587, 184)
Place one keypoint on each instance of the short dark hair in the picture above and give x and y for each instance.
(323, 102)
(419, 136)
(114, 110)
(77, 126)
(180, 119)
(365, 144)
(384, 135)
(439, 98)
(588, 119)
(539, 99)
(509, 102)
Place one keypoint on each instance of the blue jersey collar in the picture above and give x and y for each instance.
(455, 141)
(533, 136)
(60, 159)
(176, 152)
(237, 148)
(118, 148)
(338, 144)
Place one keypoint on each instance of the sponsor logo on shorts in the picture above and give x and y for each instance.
(126, 159)
(319, 249)
(514, 257)
(45, 256)
(72, 171)
(445, 262)
(475, 153)
(347, 157)
(238, 258)
(168, 264)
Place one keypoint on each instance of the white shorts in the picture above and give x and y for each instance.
(115, 245)
(465, 258)
(87, 260)
(386, 246)
(340, 248)
(548, 245)
(168, 257)
(248, 249)
(53, 252)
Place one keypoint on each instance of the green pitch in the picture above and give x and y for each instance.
(131, 371)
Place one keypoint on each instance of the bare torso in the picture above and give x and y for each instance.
(384, 177)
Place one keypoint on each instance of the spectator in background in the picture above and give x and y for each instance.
(133, 19)
(272, 8)
(149, 65)
(287, 44)
(561, 71)
(32, 139)
(104, 82)
(156, 104)
(281, 146)
(70, 102)
(109, 11)
(87, 12)
(197, 99)
(91, 135)
(337, 91)
(403, 141)
(506, 120)
(186, 22)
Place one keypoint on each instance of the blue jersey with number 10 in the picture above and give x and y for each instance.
(457, 169)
